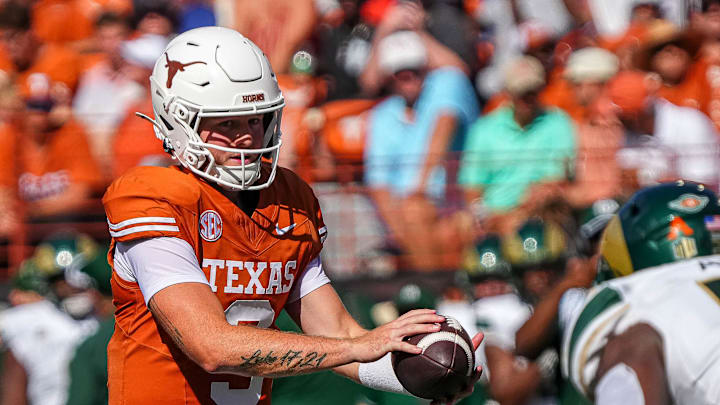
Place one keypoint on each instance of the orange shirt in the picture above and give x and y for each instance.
(57, 63)
(559, 93)
(693, 91)
(63, 20)
(346, 128)
(42, 171)
(135, 142)
(297, 150)
(8, 177)
(250, 266)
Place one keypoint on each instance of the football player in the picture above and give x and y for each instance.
(43, 328)
(207, 254)
(651, 334)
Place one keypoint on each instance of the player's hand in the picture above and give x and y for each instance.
(472, 379)
(389, 337)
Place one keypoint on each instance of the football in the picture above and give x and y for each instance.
(442, 369)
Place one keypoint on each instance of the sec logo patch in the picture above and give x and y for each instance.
(210, 226)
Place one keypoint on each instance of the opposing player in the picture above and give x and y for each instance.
(651, 335)
(206, 255)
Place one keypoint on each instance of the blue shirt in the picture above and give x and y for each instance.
(396, 148)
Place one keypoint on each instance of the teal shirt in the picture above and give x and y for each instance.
(504, 160)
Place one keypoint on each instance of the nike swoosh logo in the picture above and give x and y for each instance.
(283, 231)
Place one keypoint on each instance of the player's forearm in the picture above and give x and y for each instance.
(270, 353)
(537, 331)
(205, 336)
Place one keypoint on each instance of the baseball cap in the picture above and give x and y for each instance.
(524, 75)
(402, 50)
(591, 64)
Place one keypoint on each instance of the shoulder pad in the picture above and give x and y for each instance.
(151, 202)
(157, 183)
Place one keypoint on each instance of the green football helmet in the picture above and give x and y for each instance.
(485, 260)
(413, 296)
(71, 256)
(536, 244)
(659, 224)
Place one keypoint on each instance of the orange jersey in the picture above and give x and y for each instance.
(251, 264)
(40, 171)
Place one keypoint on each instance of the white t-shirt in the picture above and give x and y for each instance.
(684, 145)
(157, 263)
(612, 17)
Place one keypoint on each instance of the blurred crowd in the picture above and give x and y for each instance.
(431, 130)
(422, 125)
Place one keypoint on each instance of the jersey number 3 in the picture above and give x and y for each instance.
(243, 311)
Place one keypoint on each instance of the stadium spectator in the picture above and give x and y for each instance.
(107, 80)
(134, 143)
(411, 137)
(156, 17)
(586, 73)
(26, 55)
(452, 27)
(520, 155)
(403, 16)
(43, 331)
(671, 54)
(195, 14)
(596, 173)
(663, 141)
(706, 21)
(616, 17)
(278, 27)
(50, 20)
(47, 154)
(302, 91)
(10, 105)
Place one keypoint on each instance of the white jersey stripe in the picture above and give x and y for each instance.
(141, 220)
(136, 229)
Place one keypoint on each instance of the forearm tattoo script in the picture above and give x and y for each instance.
(292, 359)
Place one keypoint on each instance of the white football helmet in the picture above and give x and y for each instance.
(215, 72)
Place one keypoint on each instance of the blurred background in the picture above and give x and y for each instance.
(466, 153)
